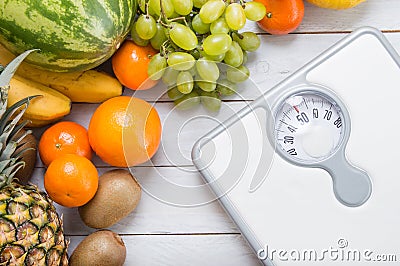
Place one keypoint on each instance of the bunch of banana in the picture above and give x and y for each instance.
(57, 90)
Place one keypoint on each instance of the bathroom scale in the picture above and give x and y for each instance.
(309, 171)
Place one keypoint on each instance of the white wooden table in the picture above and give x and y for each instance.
(161, 234)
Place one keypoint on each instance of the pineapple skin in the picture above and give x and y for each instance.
(31, 232)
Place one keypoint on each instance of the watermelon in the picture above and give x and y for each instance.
(72, 35)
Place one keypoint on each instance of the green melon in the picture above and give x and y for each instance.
(71, 34)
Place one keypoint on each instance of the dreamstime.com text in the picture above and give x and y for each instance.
(340, 253)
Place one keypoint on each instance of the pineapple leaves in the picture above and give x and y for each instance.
(3, 180)
(5, 77)
(8, 169)
(9, 150)
(17, 129)
(10, 111)
(19, 154)
(26, 133)
(10, 163)
(9, 71)
(9, 129)
(12, 170)
(4, 164)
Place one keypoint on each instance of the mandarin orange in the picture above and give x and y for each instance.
(63, 138)
(283, 16)
(71, 180)
(130, 64)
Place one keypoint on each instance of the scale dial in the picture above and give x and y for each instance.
(309, 127)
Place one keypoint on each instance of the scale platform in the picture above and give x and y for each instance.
(309, 172)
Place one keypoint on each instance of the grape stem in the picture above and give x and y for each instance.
(147, 9)
(162, 13)
(179, 18)
(165, 25)
(163, 50)
(168, 21)
(239, 35)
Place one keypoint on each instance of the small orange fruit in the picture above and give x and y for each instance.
(283, 16)
(71, 180)
(130, 64)
(125, 131)
(63, 138)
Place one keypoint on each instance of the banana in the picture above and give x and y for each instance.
(89, 86)
(51, 105)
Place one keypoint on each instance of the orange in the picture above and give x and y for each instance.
(130, 64)
(125, 131)
(283, 16)
(63, 138)
(71, 180)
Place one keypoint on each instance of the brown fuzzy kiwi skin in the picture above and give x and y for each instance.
(29, 157)
(101, 248)
(118, 195)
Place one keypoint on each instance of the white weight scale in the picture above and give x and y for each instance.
(309, 172)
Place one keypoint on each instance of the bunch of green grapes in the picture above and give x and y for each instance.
(201, 55)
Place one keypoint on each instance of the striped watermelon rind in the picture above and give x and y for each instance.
(73, 35)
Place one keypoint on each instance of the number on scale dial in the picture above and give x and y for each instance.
(308, 126)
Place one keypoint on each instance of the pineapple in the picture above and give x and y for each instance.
(31, 232)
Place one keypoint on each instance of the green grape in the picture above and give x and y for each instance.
(187, 101)
(146, 27)
(207, 70)
(212, 10)
(184, 82)
(237, 75)
(215, 58)
(169, 76)
(245, 57)
(180, 61)
(174, 94)
(192, 71)
(183, 36)
(136, 39)
(235, 16)
(206, 85)
(219, 26)
(183, 7)
(199, 3)
(159, 38)
(142, 5)
(226, 87)
(175, 15)
(211, 100)
(216, 44)
(249, 41)
(255, 11)
(234, 56)
(199, 26)
(151, 12)
(156, 66)
(167, 5)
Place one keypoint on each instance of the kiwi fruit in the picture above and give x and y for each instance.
(101, 248)
(117, 195)
(29, 156)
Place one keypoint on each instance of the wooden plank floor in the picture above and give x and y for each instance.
(163, 234)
